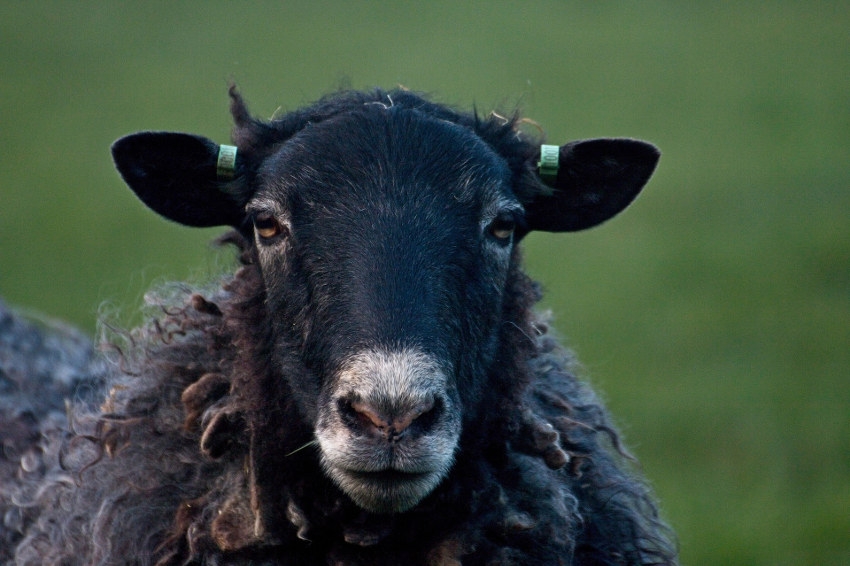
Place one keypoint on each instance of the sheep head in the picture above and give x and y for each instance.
(385, 229)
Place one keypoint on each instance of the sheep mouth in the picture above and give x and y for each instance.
(385, 491)
(388, 477)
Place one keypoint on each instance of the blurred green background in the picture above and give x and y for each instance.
(714, 314)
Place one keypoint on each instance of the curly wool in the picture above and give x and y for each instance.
(165, 470)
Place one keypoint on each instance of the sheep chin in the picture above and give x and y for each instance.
(385, 492)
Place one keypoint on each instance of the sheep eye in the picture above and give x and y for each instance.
(503, 226)
(267, 226)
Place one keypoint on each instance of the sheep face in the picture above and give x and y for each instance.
(384, 228)
(384, 263)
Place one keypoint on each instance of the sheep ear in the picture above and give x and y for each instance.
(594, 181)
(178, 176)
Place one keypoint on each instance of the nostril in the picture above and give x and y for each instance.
(368, 416)
(363, 415)
(402, 421)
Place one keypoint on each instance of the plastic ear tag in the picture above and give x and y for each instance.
(548, 164)
(226, 165)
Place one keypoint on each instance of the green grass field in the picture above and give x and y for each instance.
(714, 314)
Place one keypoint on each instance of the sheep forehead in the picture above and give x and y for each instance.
(344, 155)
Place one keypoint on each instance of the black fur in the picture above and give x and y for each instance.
(368, 221)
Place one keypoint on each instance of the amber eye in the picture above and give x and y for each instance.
(503, 226)
(267, 226)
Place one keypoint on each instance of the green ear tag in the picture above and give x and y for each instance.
(548, 164)
(226, 165)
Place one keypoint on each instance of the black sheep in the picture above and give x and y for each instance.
(371, 386)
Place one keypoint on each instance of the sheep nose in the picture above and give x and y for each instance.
(391, 422)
